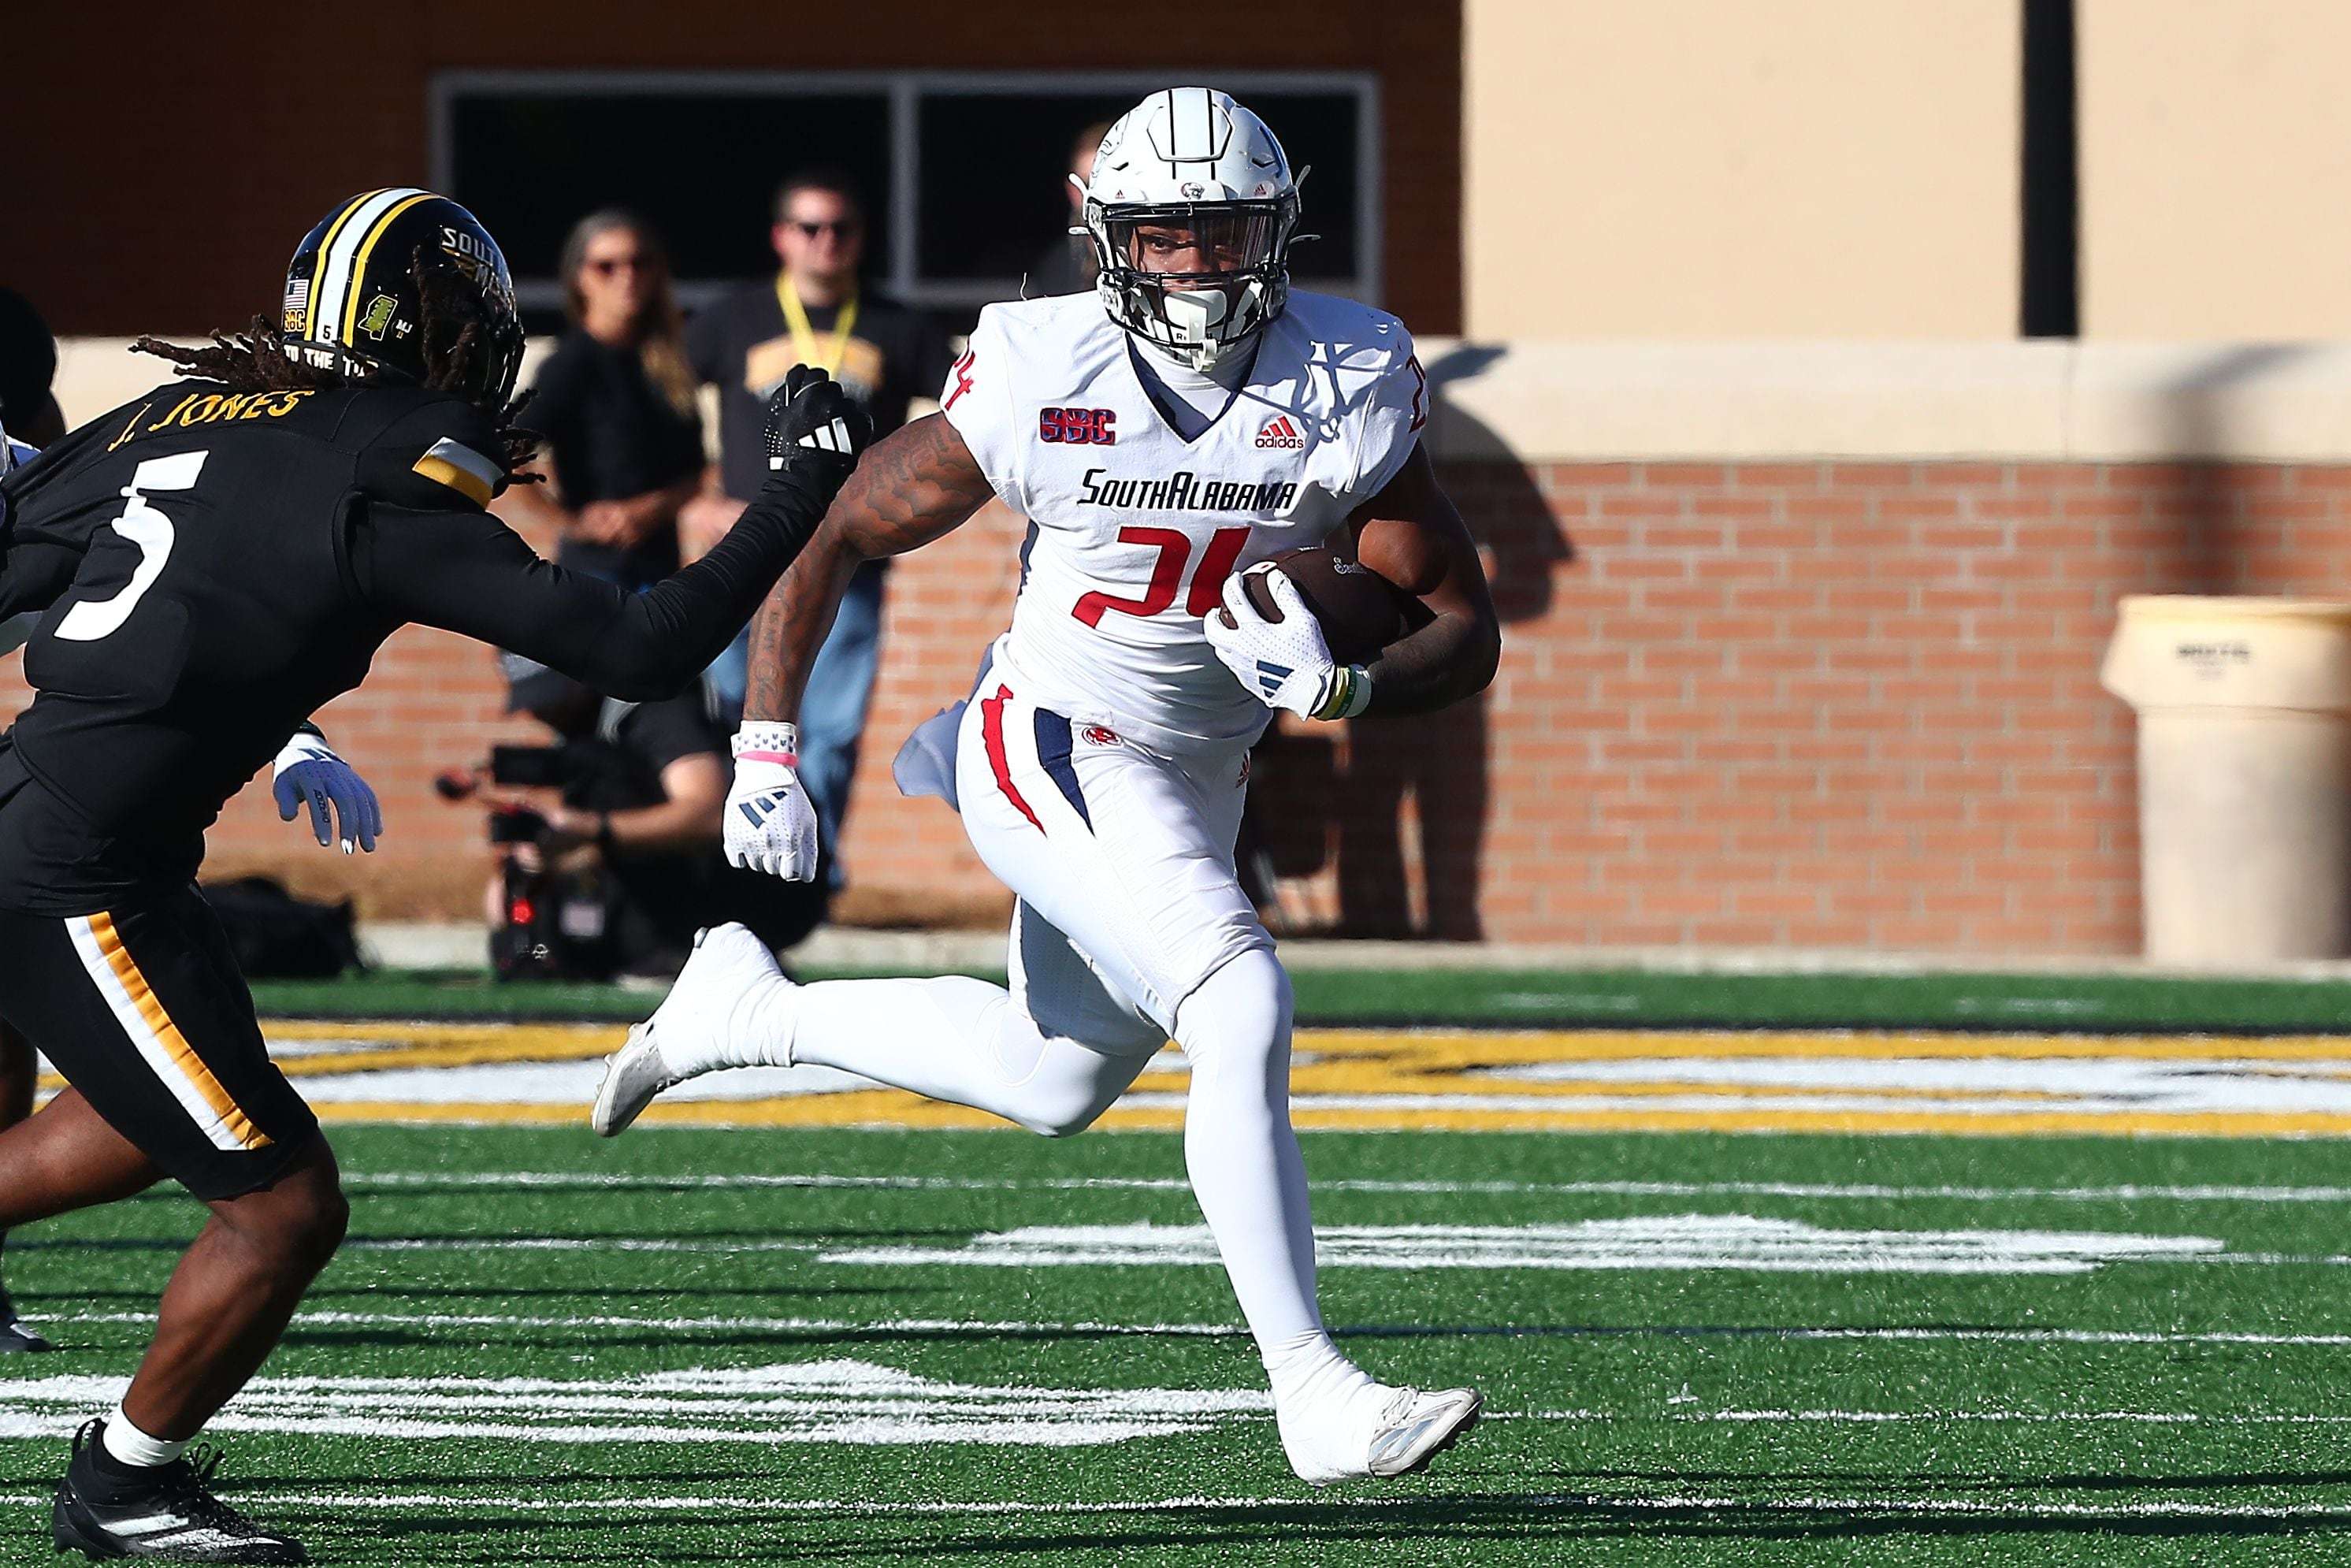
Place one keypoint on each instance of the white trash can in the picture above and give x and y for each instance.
(2244, 775)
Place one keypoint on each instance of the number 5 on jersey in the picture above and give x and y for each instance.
(145, 527)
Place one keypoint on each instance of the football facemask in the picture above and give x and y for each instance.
(1191, 211)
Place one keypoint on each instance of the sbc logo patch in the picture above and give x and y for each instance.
(1078, 427)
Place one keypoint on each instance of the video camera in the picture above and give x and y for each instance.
(551, 924)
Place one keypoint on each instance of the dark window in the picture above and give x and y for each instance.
(701, 167)
(993, 165)
(981, 171)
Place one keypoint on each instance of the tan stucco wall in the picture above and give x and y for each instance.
(1721, 169)
(2215, 168)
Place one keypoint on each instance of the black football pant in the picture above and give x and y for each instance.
(142, 1008)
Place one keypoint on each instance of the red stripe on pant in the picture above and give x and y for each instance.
(991, 730)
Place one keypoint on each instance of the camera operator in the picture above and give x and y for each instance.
(636, 834)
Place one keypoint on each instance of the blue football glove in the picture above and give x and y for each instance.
(307, 770)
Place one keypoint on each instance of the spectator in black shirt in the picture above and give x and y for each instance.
(885, 355)
(640, 814)
(616, 404)
(1068, 266)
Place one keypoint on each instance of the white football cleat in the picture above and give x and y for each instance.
(1410, 1428)
(720, 1013)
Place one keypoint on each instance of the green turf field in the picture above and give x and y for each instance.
(1549, 998)
(721, 1346)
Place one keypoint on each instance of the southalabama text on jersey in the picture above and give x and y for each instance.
(1184, 491)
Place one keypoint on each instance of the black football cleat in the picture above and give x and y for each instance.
(15, 1339)
(168, 1514)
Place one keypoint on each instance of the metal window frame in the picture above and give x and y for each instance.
(904, 91)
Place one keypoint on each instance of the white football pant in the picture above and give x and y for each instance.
(1131, 927)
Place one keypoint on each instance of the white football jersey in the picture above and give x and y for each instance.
(1134, 529)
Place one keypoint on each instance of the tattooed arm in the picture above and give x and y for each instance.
(920, 485)
(1410, 534)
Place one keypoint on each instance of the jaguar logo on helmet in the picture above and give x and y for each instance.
(1187, 265)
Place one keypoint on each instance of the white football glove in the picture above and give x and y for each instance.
(771, 824)
(308, 771)
(1284, 662)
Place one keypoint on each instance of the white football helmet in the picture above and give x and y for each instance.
(1190, 164)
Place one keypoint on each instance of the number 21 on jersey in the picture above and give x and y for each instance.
(1175, 548)
(146, 527)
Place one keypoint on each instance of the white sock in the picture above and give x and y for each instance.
(129, 1446)
(1250, 1178)
(961, 1041)
(1310, 1373)
(757, 1031)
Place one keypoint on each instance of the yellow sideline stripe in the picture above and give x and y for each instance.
(166, 1033)
(458, 1044)
(1471, 1069)
(893, 1108)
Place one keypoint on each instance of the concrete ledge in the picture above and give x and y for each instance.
(419, 945)
(1547, 402)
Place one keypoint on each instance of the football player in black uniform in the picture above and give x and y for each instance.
(307, 772)
(212, 564)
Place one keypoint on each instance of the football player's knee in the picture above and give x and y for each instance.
(1064, 1111)
(1244, 1006)
(299, 1222)
(314, 1223)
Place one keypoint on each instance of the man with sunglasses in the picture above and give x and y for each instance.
(814, 312)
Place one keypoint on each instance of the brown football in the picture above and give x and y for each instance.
(1361, 611)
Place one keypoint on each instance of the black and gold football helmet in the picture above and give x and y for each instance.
(387, 281)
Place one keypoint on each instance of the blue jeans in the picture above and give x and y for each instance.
(832, 710)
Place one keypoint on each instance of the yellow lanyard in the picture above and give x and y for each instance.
(803, 337)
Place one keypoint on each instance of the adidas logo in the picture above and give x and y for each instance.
(1280, 432)
(1271, 675)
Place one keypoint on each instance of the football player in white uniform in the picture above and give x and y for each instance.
(1165, 437)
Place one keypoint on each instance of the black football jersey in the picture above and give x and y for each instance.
(211, 566)
(190, 554)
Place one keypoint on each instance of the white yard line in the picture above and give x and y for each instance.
(1995, 1417)
(393, 1181)
(1600, 1504)
(1041, 1327)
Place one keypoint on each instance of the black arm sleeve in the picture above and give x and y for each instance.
(465, 572)
(33, 574)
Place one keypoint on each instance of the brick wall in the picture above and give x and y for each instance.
(1802, 703)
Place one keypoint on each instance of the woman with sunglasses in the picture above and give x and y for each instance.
(615, 402)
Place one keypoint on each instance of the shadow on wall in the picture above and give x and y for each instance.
(1400, 804)
(2226, 549)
